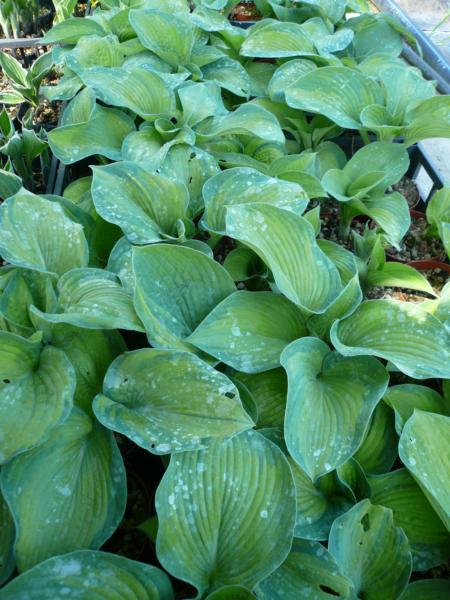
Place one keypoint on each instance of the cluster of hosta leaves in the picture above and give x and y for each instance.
(305, 428)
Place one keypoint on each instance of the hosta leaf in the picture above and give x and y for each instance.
(319, 503)
(309, 571)
(99, 130)
(169, 401)
(339, 93)
(6, 541)
(405, 398)
(142, 91)
(94, 298)
(390, 212)
(10, 184)
(231, 592)
(269, 390)
(229, 74)
(95, 51)
(428, 538)
(71, 30)
(330, 401)
(276, 40)
(242, 186)
(424, 450)
(168, 36)
(371, 551)
(378, 450)
(36, 390)
(415, 341)
(86, 574)
(287, 74)
(147, 207)
(287, 244)
(120, 263)
(200, 101)
(193, 167)
(429, 119)
(393, 274)
(90, 351)
(249, 330)
(217, 528)
(176, 288)
(75, 482)
(36, 234)
(247, 119)
(431, 589)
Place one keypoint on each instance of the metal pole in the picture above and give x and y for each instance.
(429, 73)
(431, 54)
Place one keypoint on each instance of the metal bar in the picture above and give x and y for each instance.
(413, 58)
(431, 54)
(23, 43)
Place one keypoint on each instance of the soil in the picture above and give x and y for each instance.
(417, 244)
(408, 188)
(47, 114)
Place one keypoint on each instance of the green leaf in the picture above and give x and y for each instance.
(71, 30)
(286, 75)
(13, 70)
(75, 482)
(101, 131)
(330, 401)
(176, 288)
(378, 450)
(424, 449)
(11, 97)
(6, 542)
(242, 186)
(428, 538)
(319, 503)
(309, 571)
(286, 243)
(94, 298)
(269, 390)
(168, 36)
(36, 390)
(249, 330)
(405, 398)
(87, 574)
(394, 274)
(274, 39)
(339, 93)
(415, 341)
(428, 120)
(231, 592)
(371, 551)
(140, 90)
(148, 208)
(36, 234)
(229, 74)
(431, 589)
(169, 401)
(95, 51)
(220, 529)
(10, 184)
(247, 119)
(90, 351)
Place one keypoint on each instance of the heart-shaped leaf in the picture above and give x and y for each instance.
(176, 288)
(249, 330)
(87, 574)
(414, 340)
(94, 298)
(309, 571)
(427, 535)
(339, 93)
(269, 390)
(431, 589)
(169, 401)
(371, 551)
(424, 450)
(75, 482)
(378, 450)
(278, 40)
(242, 186)
(217, 528)
(330, 401)
(37, 385)
(36, 234)
(149, 208)
(286, 243)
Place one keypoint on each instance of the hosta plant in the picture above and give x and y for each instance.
(180, 329)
